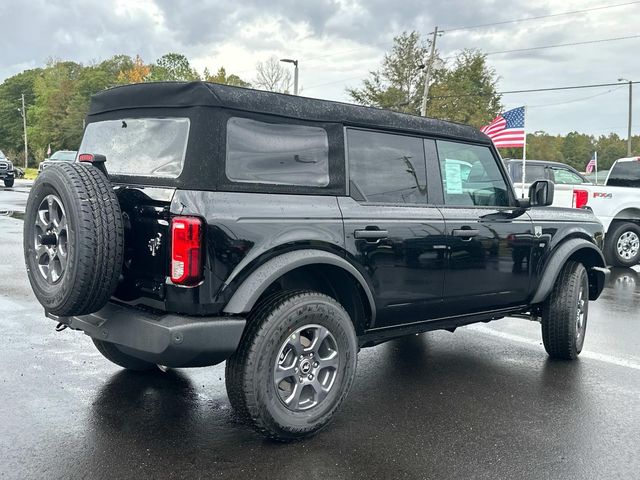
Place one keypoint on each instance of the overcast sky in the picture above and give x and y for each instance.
(338, 41)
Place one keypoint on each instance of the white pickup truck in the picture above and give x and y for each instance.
(617, 206)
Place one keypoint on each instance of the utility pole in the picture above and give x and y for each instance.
(630, 110)
(427, 75)
(630, 104)
(23, 112)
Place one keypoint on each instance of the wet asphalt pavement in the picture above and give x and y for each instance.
(484, 402)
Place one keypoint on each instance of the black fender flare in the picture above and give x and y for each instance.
(596, 268)
(248, 293)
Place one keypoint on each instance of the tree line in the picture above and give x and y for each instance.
(462, 89)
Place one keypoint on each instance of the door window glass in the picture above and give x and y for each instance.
(386, 168)
(566, 177)
(470, 175)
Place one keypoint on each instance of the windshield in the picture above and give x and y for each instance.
(151, 147)
(2, 157)
(625, 174)
(64, 156)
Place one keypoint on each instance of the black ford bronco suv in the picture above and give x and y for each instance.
(204, 223)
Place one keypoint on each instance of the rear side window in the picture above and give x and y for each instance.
(276, 153)
(625, 174)
(470, 175)
(533, 173)
(150, 147)
(386, 168)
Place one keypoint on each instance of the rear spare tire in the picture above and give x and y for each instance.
(73, 239)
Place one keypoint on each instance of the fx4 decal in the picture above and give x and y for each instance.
(602, 195)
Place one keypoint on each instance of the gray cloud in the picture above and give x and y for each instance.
(339, 41)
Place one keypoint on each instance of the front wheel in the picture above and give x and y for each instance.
(294, 366)
(622, 245)
(564, 313)
(9, 182)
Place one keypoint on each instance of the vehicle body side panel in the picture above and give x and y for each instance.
(244, 230)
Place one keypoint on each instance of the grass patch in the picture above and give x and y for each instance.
(30, 173)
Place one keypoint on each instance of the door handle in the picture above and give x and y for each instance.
(371, 234)
(465, 233)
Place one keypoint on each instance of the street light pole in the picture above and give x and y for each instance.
(23, 112)
(295, 73)
(630, 114)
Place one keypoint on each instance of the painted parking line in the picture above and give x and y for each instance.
(610, 359)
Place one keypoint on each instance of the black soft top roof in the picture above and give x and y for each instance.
(192, 94)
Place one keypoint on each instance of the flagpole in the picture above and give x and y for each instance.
(595, 155)
(524, 149)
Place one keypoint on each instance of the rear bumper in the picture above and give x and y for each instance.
(166, 339)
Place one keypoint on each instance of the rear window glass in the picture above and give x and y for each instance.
(277, 153)
(625, 174)
(150, 147)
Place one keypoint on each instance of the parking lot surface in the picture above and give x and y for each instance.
(483, 402)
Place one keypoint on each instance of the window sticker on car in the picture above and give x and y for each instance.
(453, 176)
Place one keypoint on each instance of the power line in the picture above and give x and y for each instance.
(574, 100)
(542, 47)
(535, 90)
(539, 17)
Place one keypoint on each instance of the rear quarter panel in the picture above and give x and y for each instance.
(245, 230)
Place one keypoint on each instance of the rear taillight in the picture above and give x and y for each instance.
(186, 250)
(580, 198)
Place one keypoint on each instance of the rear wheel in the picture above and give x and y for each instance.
(111, 352)
(564, 313)
(9, 182)
(294, 366)
(622, 245)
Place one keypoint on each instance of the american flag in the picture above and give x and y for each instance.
(507, 129)
(592, 163)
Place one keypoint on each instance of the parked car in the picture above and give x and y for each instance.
(57, 157)
(564, 177)
(617, 205)
(282, 234)
(7, 171)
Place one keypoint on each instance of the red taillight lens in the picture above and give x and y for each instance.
(85, 157)
(186, 250)
(580, 198)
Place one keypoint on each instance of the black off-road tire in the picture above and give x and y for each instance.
(617, 233)
(93, 239)
(111, 352)
(249, 371)
(9, 182)
(563, 330)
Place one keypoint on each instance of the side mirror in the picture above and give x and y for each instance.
(541, 193)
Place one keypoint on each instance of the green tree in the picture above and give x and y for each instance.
(399, 82)
(466, 92)
(540, 146)
(577, 149)
(610, 148)
(54, 91)
(173, 67)
(222, 77)
(11, 131)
